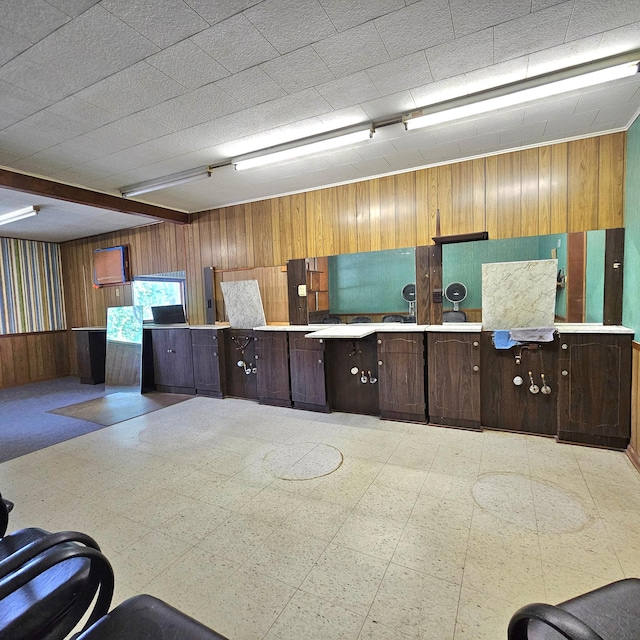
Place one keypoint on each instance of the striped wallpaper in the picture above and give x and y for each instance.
(31, 294)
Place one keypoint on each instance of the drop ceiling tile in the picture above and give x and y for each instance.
(110, 97)
(105, 36)
(40, 80)
(403, 73)
(451, 132)
(214, 12)
(211, 101)
(470, 16)
(440, 153)
(527, 134)
(298, 70)
(104, 141)
(371, 168)
(11, 44)
(73, 8)
(565, 126)
(416, 139)
(476, 145)
(251, 86)
(188, 64)
(564, 55)
(439, 91)
(608, 95)
(142, 126)
(380, 149)
(615, 117)
(461, 55)
(618, 40)
(290, 24)
(236, 44)
(533, 32)
(499, 120)
(164, 22)
(496, 75)
(392, 105)
(593, 16)
(148, 83)
(352, 50)
(18, 102)
(87, 114)
(538, 5)
(31, 19)
(349, 90)
(7, 158)
(305, 104)
(345, 15)
(419, 26)
(25, 141)
(48, 120)
(53, 159)
(405, 160)
(542, 111)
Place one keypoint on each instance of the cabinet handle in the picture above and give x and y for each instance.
(565, 346)
(379, 341)
(215, 354)
(256, 357)
(379, 363)
(475, 344)
(170, 350)
(319, 361)
(476, 367)
(320, 340)
(565, 372)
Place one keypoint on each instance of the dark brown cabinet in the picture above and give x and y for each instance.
(241, 366)
(454, 379)
(172, 360)
(306, 361)
(208, 362)
(272, 362)
(595, 389)
(352, 375)
(90, 352)
(512, 407)
(401, 381)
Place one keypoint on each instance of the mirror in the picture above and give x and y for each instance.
(123, 362)
(361, 285)
(159, 289)
(580, 277)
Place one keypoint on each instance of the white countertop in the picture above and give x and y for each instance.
(592, 327)
(89, 329)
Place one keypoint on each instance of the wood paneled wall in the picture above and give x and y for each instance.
(30, 357)
(571, 186)
(634, 445)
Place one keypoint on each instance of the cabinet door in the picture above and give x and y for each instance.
(172, 358)
(512, 407)
(308, 387)
(207, 358)
(454, 379)
(91, 354)
(595, 389)
(240, 346)
(401, 376)
(272, 357)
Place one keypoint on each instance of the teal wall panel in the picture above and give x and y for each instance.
(594, 283)
(631, 296)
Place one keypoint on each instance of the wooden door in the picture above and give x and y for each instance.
(173, 360)
(595, 389)
(454, 379)
(207, 358)
(272, 362)
(401, 376)
(306, 361)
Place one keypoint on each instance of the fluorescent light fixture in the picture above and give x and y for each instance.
(19, 214)
(515, 93)
(174, 180)
(304, 147)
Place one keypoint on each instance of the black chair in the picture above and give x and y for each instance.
(409, 319)
(454, 316)
(5, 509)
(359, 319)
(611, 612)
(332, 320)
(48, 582)
(147, 618)
(393, 317)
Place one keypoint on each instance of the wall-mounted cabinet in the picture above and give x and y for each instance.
(454, 379)
(208, 361)
(401, 378)
(594, 393)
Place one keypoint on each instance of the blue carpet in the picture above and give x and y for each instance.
(25, 425)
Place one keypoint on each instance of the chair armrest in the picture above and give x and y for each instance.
(562, 621)
(35, 548)
(39, 565)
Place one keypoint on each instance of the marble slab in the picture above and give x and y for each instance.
(243, 304)
(519, 294)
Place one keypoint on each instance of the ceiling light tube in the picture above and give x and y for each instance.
(174, 180)
(518, 93)
(19, 214)
(304, 147)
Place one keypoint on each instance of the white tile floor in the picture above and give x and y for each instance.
(422, 532)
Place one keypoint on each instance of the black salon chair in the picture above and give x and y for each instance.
(48, 583)
(5, 509)
(359, 319)
(332, 320)
(454, 316)
(147, 618)
(393, 317)
(611, 612)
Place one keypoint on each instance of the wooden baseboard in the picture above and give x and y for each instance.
(634, 457)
